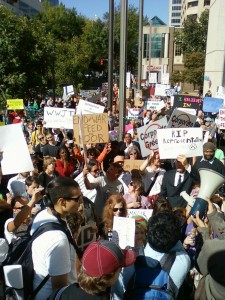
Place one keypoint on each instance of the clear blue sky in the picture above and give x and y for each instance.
(96, 8)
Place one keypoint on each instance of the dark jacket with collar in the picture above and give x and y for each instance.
(173, 192)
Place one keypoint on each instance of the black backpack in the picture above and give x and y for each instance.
(20, 253)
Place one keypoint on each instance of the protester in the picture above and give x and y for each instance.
(49, 172)
(105, 185)
(134, 198)
(65, 163)
(100, 268)
(52, 147)
(38, 150)
(177, 180)
(114, 206)
(133, 153)
(52, 252)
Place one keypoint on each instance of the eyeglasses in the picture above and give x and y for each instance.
(95, 171)
(115, 209)
(76, 199)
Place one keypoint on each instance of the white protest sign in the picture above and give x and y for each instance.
(86, 236)
(68, 91)
(175, 141)
(123, 232)
(165, 78)
(134, 113)
(16, 157)
(153, 78)
(147, 136)
(222, 118)
(155, 105)
(145, 213)
(181, 119)
(55, 117)
(190, 111)
(86, 107)
(160, 89)
(170, 92)
(90, 194)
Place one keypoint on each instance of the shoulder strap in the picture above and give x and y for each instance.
(152, 183)
(167, 261)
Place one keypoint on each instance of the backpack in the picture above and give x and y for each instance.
(151, 279)
(20, 253)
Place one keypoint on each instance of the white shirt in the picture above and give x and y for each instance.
(148, 177)
(52, 254)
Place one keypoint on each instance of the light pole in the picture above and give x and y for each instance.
(140, 43)
(123, 67)
(110, 53)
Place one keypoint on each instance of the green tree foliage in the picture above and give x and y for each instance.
(193, 39)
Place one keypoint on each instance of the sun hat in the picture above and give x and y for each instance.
(103, 257)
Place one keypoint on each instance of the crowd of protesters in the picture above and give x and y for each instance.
(198, 244)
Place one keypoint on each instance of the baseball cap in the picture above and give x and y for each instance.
(208, 119)
(103, 257)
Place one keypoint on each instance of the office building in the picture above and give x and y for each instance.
(23, 7)
(193, 9)
(214, 76)
(175, 13)
(53, 2)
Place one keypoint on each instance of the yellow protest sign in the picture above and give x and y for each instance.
(91, 128)
(14, 104)
(2, 123)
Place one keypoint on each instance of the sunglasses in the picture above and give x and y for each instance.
(133, 153)
(115, 209)
(76, 199)
(41, 138)
(95, 171)
(131, 183)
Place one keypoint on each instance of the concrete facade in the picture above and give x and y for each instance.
(215, 52)
(193, 8)
(175, 13)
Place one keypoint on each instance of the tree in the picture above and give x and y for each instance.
(193, 39)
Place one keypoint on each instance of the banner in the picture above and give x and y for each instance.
(160, 89)
(123, 232)
(180, 119)
(221, 123)
(16, 156)
(175, 141)
(86, 107)
(15, 104)
(55, 117)
(187, 101)
(212, 105)
(130, 164)
(92, 128)
(145, 213)
(165, 78)
(134, 113)
(147, 136)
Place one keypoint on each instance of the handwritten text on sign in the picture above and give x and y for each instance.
(147, 136)
(56, 117)
(187, 101)
(222, 118)
(175, 141)
(93, 128)
(14, 104)
(181, 119)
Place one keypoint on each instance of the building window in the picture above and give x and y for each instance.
(157, 46)
(206, 2)
(178, 49)
(176, 8)
(192, 4)
(176, 14)
(176, 2)
(175, 21)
